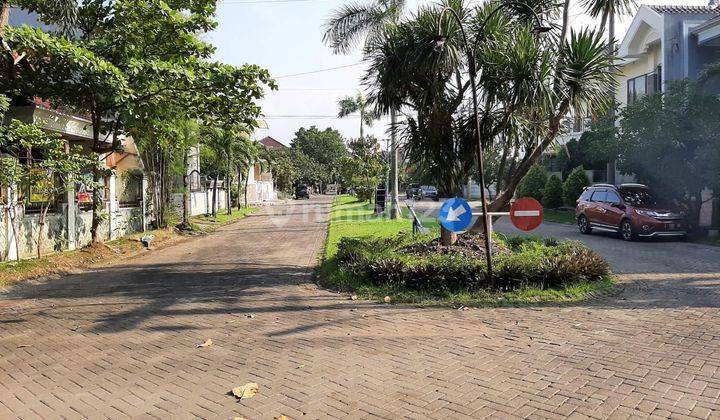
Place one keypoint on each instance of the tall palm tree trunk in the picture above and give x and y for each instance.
(362, 119)
(4, 14)
(239, 187)
(394, 199)
(228, 188)
(247, 180)
(611, 112)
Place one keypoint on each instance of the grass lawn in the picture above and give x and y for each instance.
(222, 217)
(349, 218)
(559, 216)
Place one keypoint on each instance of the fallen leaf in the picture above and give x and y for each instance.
(239, 418)
(300, 366)
(246, 391)
(281, 417)
(387, 299)
(353, 297)
(207, 343)
(250, 316)
(22, 346)
(74, 328)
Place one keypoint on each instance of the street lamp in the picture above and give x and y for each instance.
(440, 41)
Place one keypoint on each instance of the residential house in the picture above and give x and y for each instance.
(261, 185)
(70, 216)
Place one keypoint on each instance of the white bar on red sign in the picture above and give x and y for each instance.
(527, 213)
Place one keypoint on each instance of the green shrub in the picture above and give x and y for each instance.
(533, 184)
(575, 185)
(548, 263)
(552, 197)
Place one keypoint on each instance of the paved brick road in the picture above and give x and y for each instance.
(120, 342)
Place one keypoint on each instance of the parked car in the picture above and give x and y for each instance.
(412, 191)
(428, 191)
(302, 191)
(632, 210)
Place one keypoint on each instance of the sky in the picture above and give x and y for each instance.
(285, 37)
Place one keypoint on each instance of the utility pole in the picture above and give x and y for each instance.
(394, 210)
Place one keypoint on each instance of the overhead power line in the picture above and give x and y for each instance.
(320, 70)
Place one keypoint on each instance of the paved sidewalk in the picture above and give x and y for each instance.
(120, 342)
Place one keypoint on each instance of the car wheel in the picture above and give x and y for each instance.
(584, 225)
(626, 230)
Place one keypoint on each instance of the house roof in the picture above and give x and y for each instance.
(684, 9)
(271, 143)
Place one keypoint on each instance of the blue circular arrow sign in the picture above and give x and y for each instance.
(455, 215)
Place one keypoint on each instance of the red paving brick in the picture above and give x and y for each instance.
(654, 350)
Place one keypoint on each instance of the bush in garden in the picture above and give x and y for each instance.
(552, 197)
(533, 184)
(548, 263)
(575, 185)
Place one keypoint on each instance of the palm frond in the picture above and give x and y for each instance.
(349, 24)
(598, 8)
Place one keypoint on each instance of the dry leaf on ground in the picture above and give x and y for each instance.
(207, 343)
(387, 299)
(281, 417)
(246, 391)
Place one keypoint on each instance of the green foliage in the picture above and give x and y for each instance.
(285, 170)
(575, 185)
(552, 196)
(317, 154)
(526, 86)
(364, 169)
(533, 263)
(533, 184)
(670, 142)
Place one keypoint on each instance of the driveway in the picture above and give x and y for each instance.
(121, 341)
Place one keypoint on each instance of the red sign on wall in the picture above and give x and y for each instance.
(526, 214)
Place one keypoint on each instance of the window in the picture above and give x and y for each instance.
(613, 198)
(647, 84)
(586, 195)
(599, 196)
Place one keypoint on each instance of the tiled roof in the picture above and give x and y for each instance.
(684, 9)
(271, 143)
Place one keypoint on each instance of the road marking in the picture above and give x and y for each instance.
(527, 213)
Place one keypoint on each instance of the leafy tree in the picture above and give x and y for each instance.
(526, 87)
(350, 105)
(553, 193)
(62, 12)
(364, 168)
(285, 170)
(574, 185)
(533, 184)
(319, 154)
(670, 142)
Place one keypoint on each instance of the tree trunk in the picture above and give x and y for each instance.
(447, 237)
(228, 199)
(566, 20)
(247, 180)
(214, 196)
(96, 203)
(239, 187)
(4, 14)
(13, 216)
(186, 194)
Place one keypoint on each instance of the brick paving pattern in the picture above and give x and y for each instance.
(120, 342)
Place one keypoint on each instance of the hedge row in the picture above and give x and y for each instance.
(536, 263)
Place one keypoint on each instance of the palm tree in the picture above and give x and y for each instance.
(526, 87)
(607, 10)
(350, 105)
(226, 143)
(353, 24)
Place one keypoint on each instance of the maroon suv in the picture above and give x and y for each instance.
(630, 210)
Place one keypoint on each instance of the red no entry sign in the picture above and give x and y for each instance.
(526, 214)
